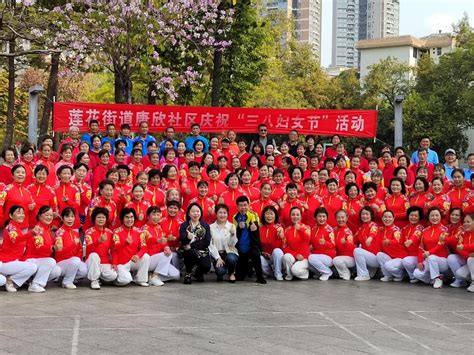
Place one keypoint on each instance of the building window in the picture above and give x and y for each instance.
(438, 51)
(415, 53)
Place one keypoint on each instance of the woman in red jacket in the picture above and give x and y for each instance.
(231, 194)
(433, 251)
(42, 193)
(248, 185)
(369, 189)
(458, 192)
(139, 205)
(397, 202)
(26, 160)
(465, 249)
(47, 160)
(296, 250)
(9, 158)
(16, 271)
(98, 241)
(272, 239)
(129, 253)
(68, 251)
(67, 194)
(158, 249)
(440, 199)
(332, 201)
(421, 195)
(353, 206)
(17, 194)
(393, 249)
(100, 170)
(322, 242)
(345, 245)
(39, 250)
(411, 234)
(366, 254)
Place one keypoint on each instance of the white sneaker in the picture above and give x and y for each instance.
(69, 286)
(279, 278)
(362, 278)
(35, 288)
(414, 281)
(324, 277)
(386, 279)
(155, 281)
(471, 288)
(438, 283)
(346, 278)
(10, 287)
(398, 279)
(288, 278)
(142, 284)
(95, 285)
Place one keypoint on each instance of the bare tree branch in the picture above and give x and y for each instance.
(33, 51)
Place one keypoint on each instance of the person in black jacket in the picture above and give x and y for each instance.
(248, 244)
(195, 237)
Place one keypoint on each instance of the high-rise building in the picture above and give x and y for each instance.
(307, 19)
(355, 20)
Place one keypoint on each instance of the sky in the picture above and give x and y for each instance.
(417, 18)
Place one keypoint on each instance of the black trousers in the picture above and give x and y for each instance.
(243, 264)
(191, 259)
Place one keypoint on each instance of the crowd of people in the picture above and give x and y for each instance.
(116, 208)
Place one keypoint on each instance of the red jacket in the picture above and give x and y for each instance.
(392, 242)
(170, 227)
(6, 176)
(94, 244)
(51, 180)
(229, 197)
(443, 202)
(412, 232)
(140, 208)
(468, 203)
(457, 196)
(269, 238)
(127, 242)
(344, 241)
(14, 242)
(466, 239)
(251, 191)
(278, 191)
(17, 194)
(86, 195)
(189, 189)
(67, 244)
(70, 192)
(377, 204)
(333, 203)
(158, 196)
(297, 241)
(420, 199)
(207, 205)
(40, 245)
(398, 204)
(353, 207)
(366, 231)
(310, 203)
(285, 211)
(258, 205)
(433, 241)
(43, 195)
(216, 188)
(322, 240)
(110, 205)
(155, 238)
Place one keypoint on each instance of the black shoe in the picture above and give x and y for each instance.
(220, 278)
(187, 280)
(198, 277)
(262, 281)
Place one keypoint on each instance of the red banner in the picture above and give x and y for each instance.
(351, 123)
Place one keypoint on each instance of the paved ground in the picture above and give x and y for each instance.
(280, 317)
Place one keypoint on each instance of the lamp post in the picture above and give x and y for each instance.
(33, 104)
(398, 108)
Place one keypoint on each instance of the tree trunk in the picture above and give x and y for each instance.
(216, 78)
(151, 98)
(123, 87)
(118, 87)
(50, 94)
(11, 95)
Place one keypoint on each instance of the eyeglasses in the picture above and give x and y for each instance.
(263, 130)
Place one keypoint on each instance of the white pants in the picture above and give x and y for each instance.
(96, 270)
(364, 260)
(45, 267)
(391, 267)
(71, 270)
(343, 264)
(141, 267)
(466, 272)
(433, 267)
(455, 262)
(322, 263)
(274, 264)
(299, 269)
(161, 264)
(409, 264)
(18, 271)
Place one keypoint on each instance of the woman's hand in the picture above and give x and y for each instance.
(299, 257)
(167, 251)
(408, 242)
(421, 266)
(219, 263)
(135, 258)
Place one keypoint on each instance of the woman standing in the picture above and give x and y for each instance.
(231, 194)
(195, 237)
(42, 194)
(160, 253)
(67, 194)
(440, 199)
(345, 245)
(272, 239)
(322, 243)
(139, 205)
(222, 247)
(11, 253)
(368, 236)
(39, 250)
(9, 158)
(433, 251)
(393, 249)
(68, 251)
(465, 249)
(297, 237)
(397, 202)
(98, 241)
